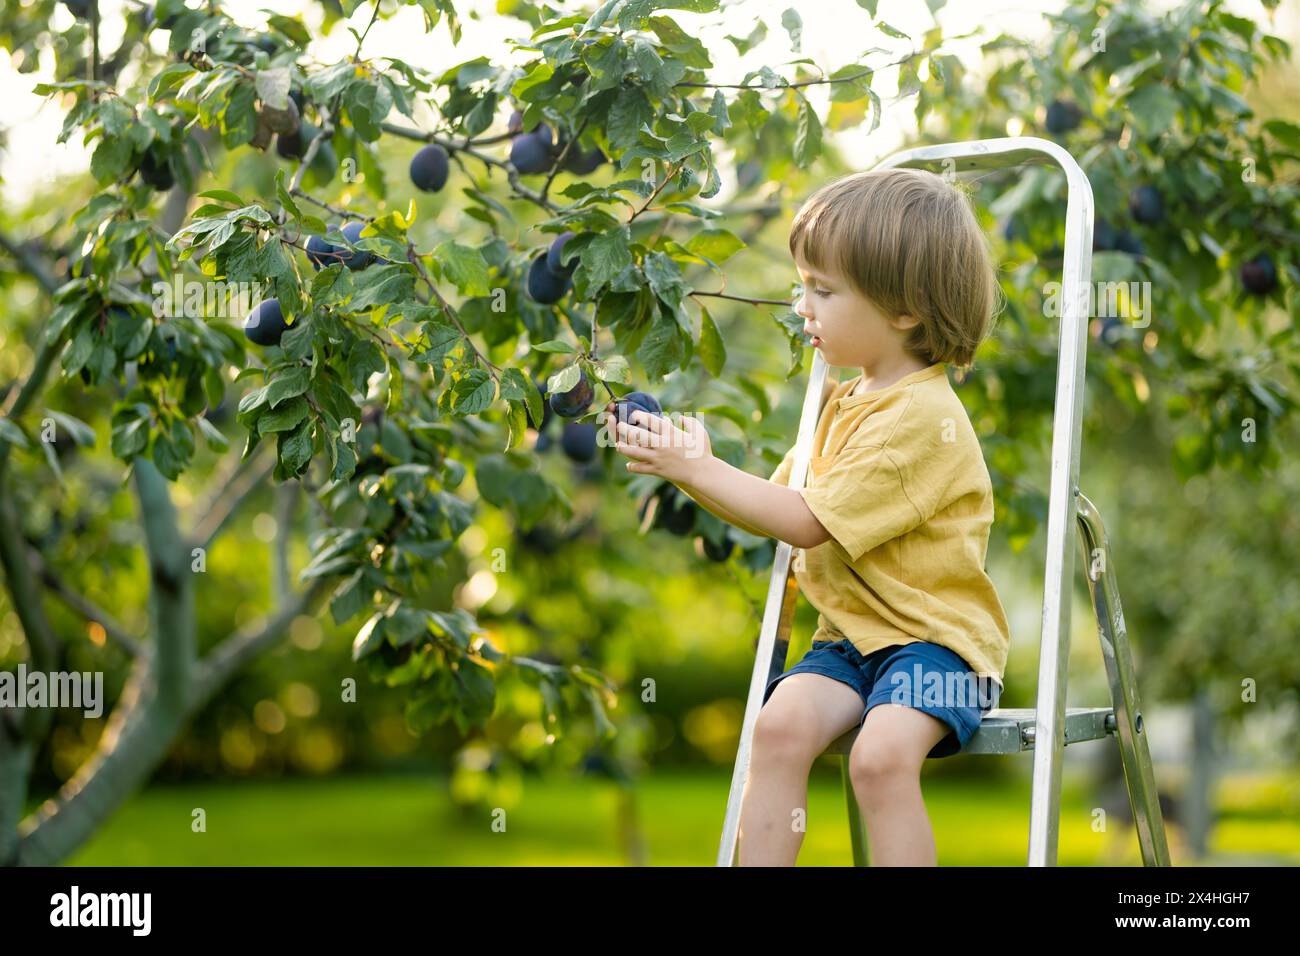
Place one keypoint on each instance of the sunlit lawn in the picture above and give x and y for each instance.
(410, 821)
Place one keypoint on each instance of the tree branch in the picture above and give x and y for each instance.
(31, 265)
(512, 174)
(742, 298)
(250, 641)
(83, 606)
(246, 482)
(171, 588)
(286, 501)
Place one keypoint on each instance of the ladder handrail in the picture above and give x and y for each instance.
(1054, 641)
(1054, 644)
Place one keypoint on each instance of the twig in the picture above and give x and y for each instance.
(742, 298)
(453, 147)
(83, 606)
(326, 131)
(228, 502)
(658, 189)
(447, 310)
(564, 154)
(356, 57)
(29, 262)
(801, 83)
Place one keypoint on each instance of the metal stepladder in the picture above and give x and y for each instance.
(1006, 731)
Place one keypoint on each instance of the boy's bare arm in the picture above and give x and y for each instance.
(761, 506)
(717, 509)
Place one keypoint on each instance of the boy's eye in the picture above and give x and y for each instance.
(821, 292)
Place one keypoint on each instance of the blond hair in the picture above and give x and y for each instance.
(908, 241)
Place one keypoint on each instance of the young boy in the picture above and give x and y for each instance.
(911, 641)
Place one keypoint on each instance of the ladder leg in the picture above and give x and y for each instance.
(857, 826)
(778, 618)
(1115, 651)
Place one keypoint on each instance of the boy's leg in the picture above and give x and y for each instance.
(804, 714)
(885, 767)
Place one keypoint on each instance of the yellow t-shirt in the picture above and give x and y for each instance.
(898, 479)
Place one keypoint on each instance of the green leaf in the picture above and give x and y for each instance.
(369, 637)
(295, 448)
(808, 135)
(793, 24)
(661, 350)
(606, 256)
(1288, 134)
(130, 437)
(285, 418)
(80, 432)
(11, 433)
(713, 352)
(555, 345)
(291, 382)
(716, 245)
(564, 380)
(473, 393)
(212, 434)
(464, 266)
(111, 160)
(515, 386)
(614, 368)
(381, 285)
(349, 599)
(1154, 109)
(441, 339)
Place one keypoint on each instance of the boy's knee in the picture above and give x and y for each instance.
(784, 733)
(876, 764)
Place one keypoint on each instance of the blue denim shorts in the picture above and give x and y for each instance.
(914, 675)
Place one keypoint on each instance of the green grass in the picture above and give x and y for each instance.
(410, 821)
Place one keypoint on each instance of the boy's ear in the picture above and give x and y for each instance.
(904, 322)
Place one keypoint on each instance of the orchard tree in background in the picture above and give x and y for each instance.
(391, 372)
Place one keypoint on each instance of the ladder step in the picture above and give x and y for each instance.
(1011, 730)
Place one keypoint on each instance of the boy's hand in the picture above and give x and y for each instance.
(658, 447)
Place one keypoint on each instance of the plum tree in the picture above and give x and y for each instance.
(1063, 115)
(634, 83)
(1259, 275)
(575, 402)
(265, 324)
(1146, 205)
(544, 286)
(429, 168)
(578, 440)
(354, 259)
